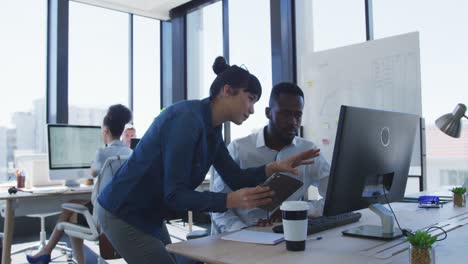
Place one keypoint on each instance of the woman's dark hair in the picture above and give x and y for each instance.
(117, 116)
(234, 76)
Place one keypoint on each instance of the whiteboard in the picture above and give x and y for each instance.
(381, 74)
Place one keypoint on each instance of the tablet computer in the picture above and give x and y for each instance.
(283, 186)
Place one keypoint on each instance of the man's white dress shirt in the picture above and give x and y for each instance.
(251, 151)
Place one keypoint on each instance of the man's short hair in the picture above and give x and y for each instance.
(284, 88)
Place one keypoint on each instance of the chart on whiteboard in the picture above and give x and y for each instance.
(382, 74)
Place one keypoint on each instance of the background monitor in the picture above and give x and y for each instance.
(372, 155)
(134, 142)
(72, 149)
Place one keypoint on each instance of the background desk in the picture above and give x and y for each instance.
(335, 248)
(23, 203)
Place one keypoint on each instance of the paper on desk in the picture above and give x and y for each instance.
(257, 237)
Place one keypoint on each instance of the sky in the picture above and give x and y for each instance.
(100, 36)
(22, 55)
(98, 59)
(443, 47)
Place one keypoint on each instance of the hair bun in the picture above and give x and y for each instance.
(119, 113)
(220, 65)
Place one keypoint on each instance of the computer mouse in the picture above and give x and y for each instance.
(12, 190)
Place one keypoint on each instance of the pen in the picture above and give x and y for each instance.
(315, 238)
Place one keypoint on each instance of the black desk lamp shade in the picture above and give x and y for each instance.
(450, 123)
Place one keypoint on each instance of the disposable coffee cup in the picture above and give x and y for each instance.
(295, 224)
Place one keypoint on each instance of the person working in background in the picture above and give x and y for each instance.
(172, 159)
(128, 134)
(113, 125)
(275, 141)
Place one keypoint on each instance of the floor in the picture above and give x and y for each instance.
(177, 230)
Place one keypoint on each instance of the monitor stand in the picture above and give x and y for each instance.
(385, 232)
(72, 183)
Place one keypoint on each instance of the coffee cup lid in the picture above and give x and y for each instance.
(294, 206)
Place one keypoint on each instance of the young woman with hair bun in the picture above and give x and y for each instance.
(172, 159)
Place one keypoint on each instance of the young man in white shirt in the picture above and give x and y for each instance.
(275, 141)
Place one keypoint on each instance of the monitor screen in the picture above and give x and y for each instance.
(371, 157)
(134, 143)
(72, 149)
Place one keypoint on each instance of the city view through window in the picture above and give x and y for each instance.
(95, 34)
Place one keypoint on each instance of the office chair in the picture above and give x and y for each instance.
(92, 232)
(36, 168)
(214, 229)
(62, 246)
(202, 233)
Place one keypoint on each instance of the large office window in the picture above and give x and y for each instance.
(23, 49)
(204, 44)
(444, 62)
(146, 72)
(250, 47)
(98, 62)
(326, 24)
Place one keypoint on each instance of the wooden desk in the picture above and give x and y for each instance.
(23, 203)
(335, 248)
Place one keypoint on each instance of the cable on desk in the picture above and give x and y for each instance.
(407, 232)
(436, 227)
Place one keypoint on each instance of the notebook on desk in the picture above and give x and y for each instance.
(256, 237)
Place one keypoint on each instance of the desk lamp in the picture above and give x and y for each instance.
(450, 123)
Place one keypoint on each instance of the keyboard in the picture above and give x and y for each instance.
(318, 224)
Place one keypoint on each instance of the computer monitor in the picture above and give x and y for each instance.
(72, 149)
(134, 142)
(371, 160)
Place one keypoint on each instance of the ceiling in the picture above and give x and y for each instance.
(158, 9)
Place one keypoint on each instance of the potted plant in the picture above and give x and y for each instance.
(459, 196)
(421, 251)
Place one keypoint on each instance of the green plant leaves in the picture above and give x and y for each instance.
(421, 239)
(459, 190)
